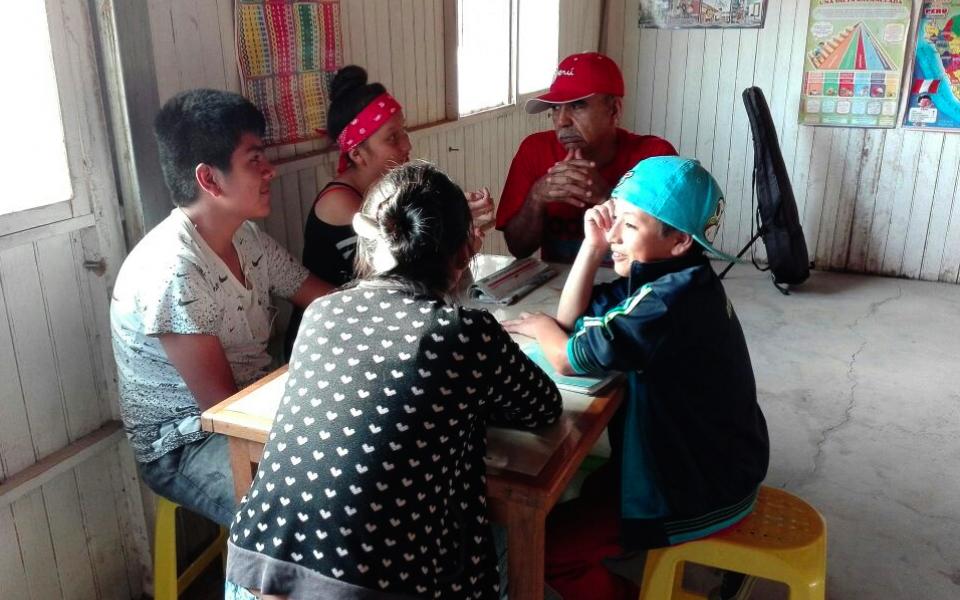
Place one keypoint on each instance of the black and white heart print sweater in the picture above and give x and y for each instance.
(372, 483)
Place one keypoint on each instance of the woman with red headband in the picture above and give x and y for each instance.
(368, 125)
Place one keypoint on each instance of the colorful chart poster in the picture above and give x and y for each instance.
(932, 102)
(854, 62)
(691, 14)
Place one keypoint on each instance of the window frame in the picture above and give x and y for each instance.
(78, 93)
(451, 66)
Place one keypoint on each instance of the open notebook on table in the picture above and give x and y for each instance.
(581, 384)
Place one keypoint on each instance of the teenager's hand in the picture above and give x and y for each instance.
(597, 221)
(532, 325)
(476, 240)
(481, 207)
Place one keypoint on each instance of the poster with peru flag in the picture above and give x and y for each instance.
(935, 83)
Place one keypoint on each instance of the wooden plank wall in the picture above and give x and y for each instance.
(871, 201)
(400, 43)
(74, 536)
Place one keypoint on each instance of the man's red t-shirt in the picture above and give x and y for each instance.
(563, 227)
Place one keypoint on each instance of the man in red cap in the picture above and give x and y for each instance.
(555, 176)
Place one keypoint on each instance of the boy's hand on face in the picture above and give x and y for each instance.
(596, 223)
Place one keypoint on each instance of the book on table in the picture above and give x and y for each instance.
(512, 282)
(582, 384)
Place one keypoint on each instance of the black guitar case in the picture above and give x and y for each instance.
(777, 218)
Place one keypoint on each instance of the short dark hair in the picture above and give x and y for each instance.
(349, 94)
(665, 230)
(201, 126)
(425, 220)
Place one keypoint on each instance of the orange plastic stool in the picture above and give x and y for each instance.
(784, 539)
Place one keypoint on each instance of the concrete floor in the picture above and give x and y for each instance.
(858, 379)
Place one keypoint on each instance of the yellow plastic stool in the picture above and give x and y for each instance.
(167, 585)
(784, 539)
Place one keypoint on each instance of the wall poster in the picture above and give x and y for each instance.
(932, 101)
(854, 62)
(694, 14)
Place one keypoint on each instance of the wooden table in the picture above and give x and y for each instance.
(532, 468)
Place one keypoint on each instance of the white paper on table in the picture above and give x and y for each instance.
(525, 452)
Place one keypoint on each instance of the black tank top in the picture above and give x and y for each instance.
(328, 250)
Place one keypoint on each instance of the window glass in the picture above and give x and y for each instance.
(34, 157)
(483, 55)
(538, 44)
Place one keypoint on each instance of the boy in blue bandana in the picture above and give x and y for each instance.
(689, 443)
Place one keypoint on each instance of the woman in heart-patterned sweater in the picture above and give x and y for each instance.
(372, 483)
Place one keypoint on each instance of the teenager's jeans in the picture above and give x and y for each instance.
(197, 477)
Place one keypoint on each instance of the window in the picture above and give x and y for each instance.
(504, 48)
(35, 155)
(538, 44)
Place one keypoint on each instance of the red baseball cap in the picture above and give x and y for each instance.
(580, 76)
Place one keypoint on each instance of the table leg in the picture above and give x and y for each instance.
(526, 528)
(241, 466)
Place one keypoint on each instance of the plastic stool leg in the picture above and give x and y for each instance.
(197, 567)
(660, 575)
(806, 589)
(165, 551)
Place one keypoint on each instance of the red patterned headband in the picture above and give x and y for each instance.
(370, 119)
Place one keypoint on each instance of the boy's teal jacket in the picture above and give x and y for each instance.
(689, 440)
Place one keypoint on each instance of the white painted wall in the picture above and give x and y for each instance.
(871, 201)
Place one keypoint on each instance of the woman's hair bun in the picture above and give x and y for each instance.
(423, 219)
(404, 224)
(348, 78)
(349, 94)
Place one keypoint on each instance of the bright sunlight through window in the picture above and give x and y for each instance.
(483, 54)
(538, 45)
(484, 50)
(35, 157)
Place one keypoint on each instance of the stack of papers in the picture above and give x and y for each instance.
(512, 282)
(588, 385)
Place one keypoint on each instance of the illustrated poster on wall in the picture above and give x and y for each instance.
(702, 14)
(853, 62)
(932, 102)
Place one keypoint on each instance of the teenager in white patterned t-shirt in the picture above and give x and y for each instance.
(191, 312)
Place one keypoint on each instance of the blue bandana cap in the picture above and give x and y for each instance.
(679, 192)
